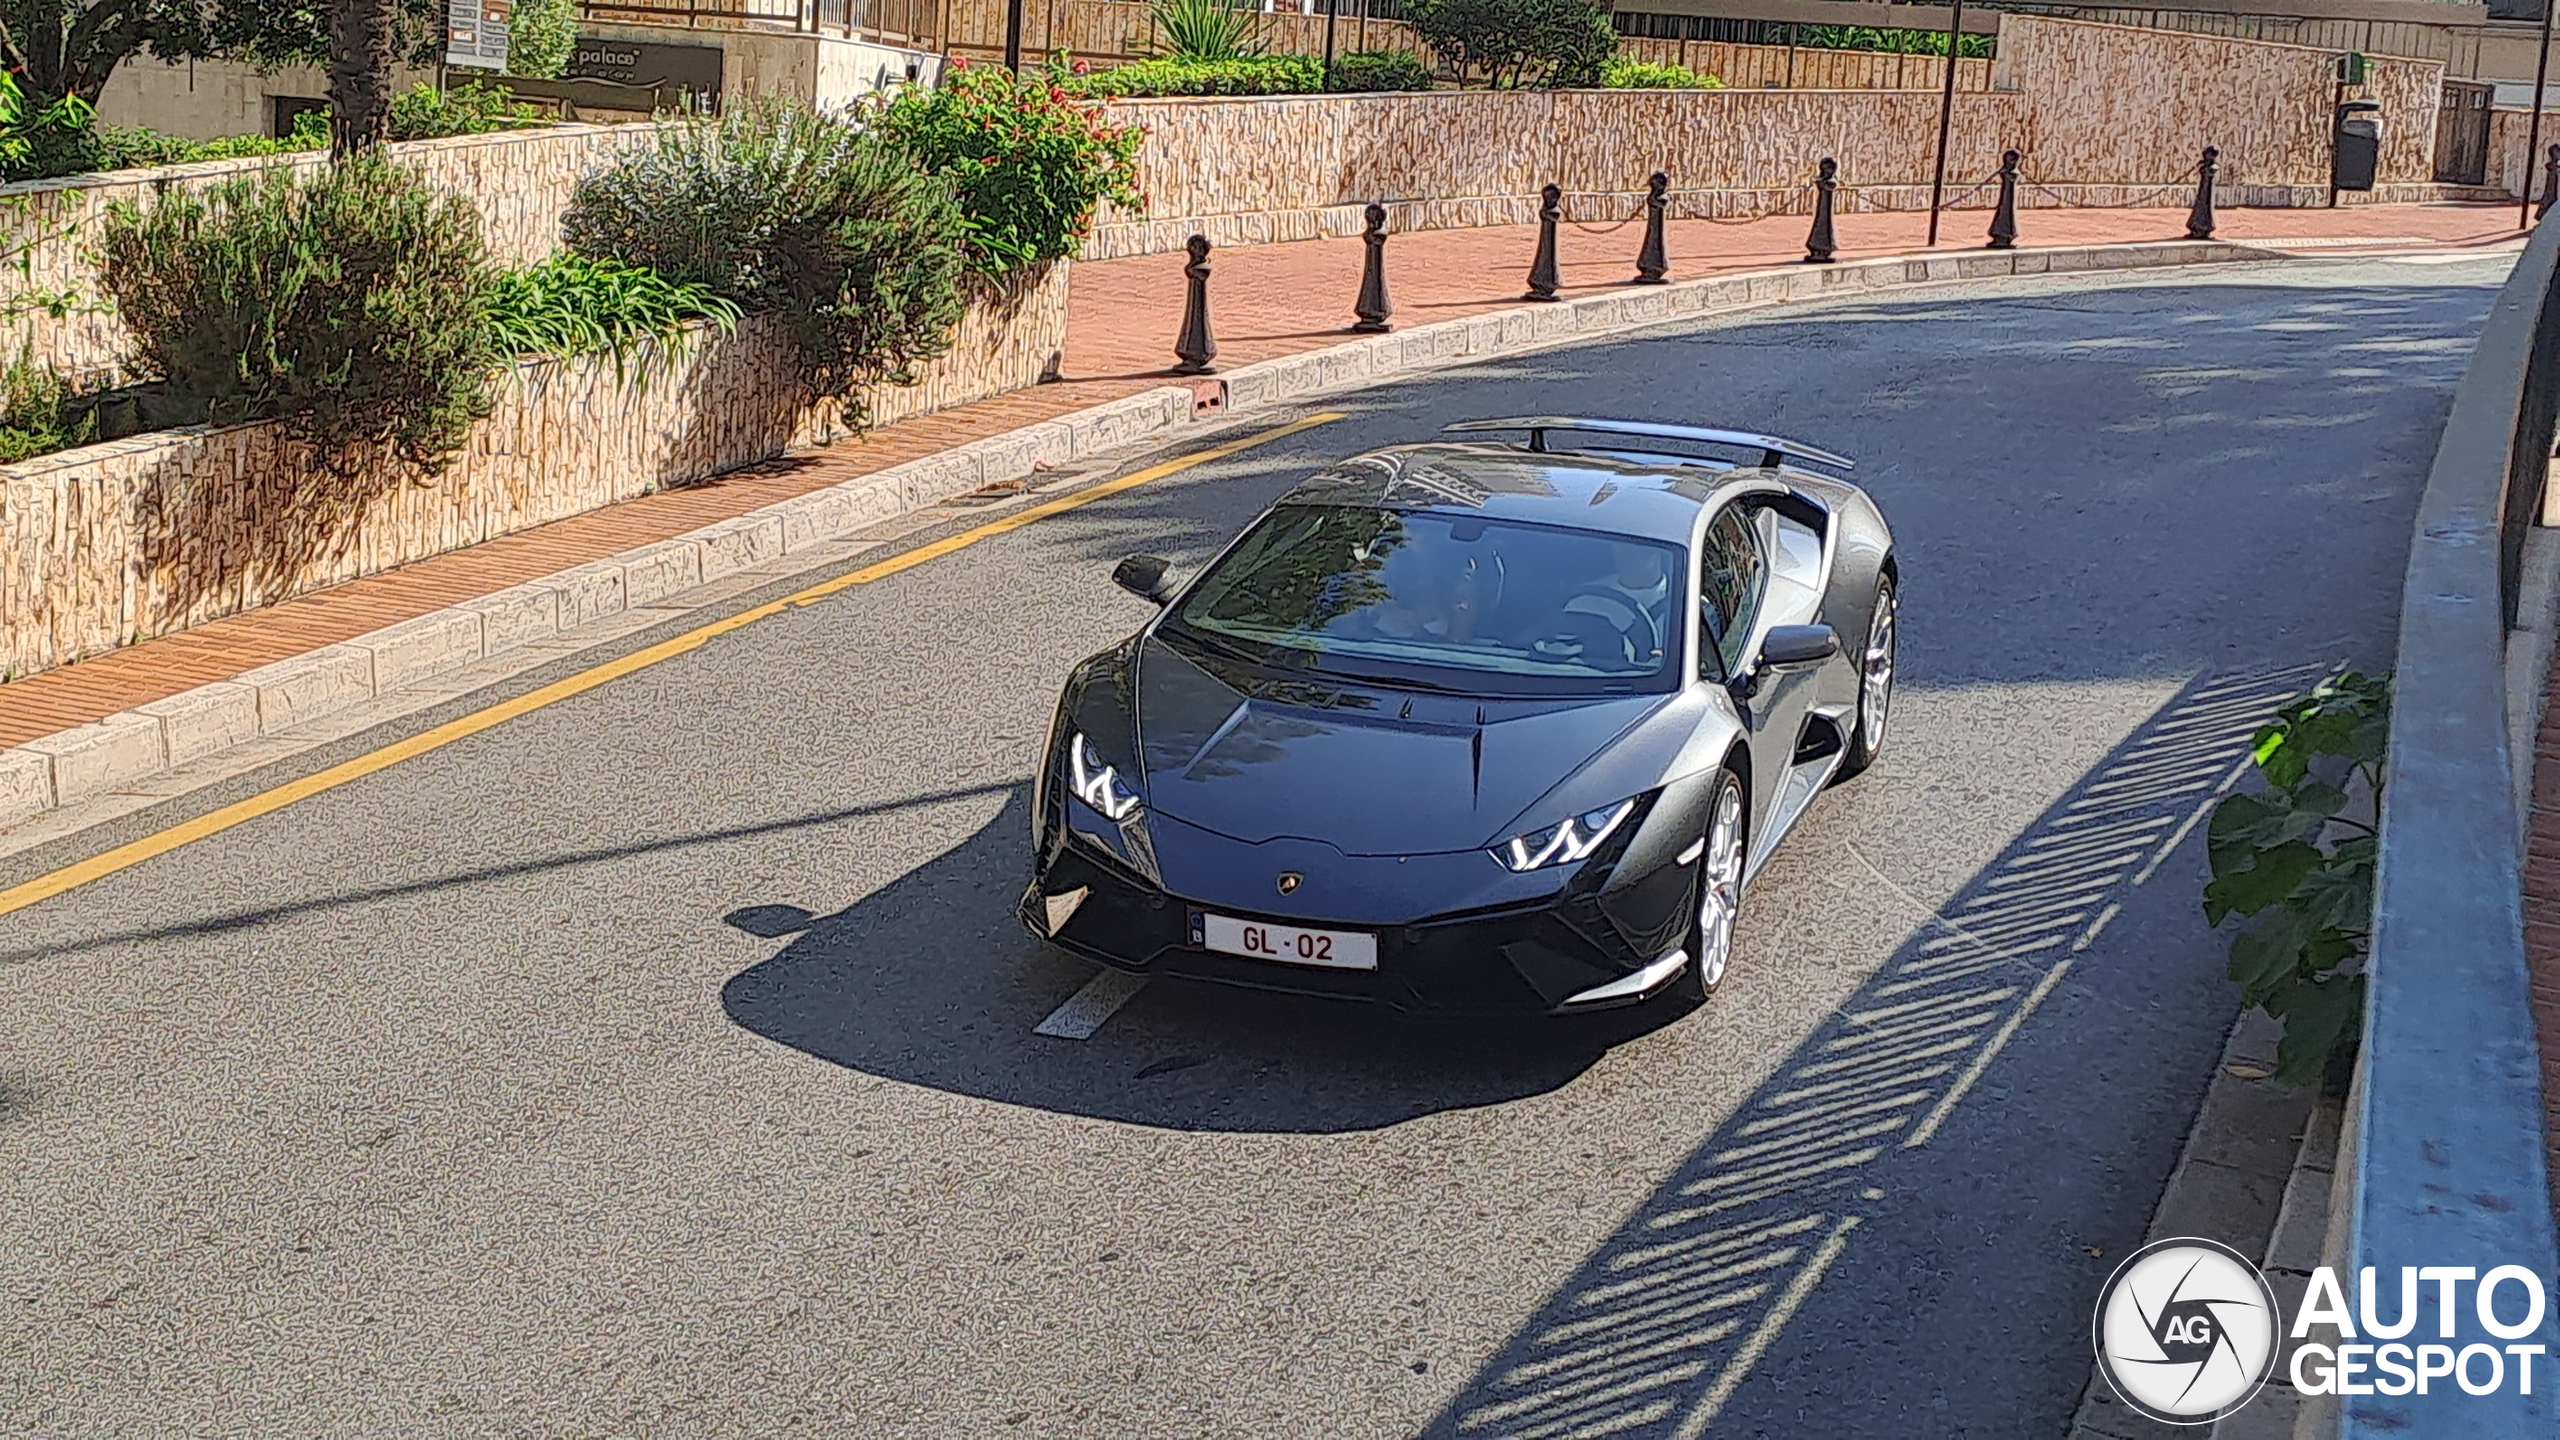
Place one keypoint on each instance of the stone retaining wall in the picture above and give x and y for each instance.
(2103, 114)
(115, 543)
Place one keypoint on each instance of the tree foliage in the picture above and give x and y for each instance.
(69, 47)
(1511, 43)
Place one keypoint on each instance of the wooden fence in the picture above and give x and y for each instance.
(1113, 32)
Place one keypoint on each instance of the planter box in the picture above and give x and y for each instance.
(114, 543)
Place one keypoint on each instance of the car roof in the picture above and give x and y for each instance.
(1640, 496)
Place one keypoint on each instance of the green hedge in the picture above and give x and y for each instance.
(1248, 75)
(1646, 75)
(1376, 70)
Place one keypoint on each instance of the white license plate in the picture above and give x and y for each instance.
(1286, 944)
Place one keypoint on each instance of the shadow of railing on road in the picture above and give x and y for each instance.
(1658, 1330)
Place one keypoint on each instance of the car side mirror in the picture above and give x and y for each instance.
(1143, 576)
(1799, 645)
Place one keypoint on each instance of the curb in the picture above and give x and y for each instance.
(2254, 1174)
(132, 746)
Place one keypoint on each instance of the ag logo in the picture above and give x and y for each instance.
(2186, 1331)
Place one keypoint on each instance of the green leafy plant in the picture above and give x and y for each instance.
(540, 35)
(1377, 70)
(38, 140)
(1511, 43)
(1027, 162)
(475, 108)
(38, 413)
(1251, 75)
(572, 304)
(1625, 74)
(1905, 42)
(1203, 29)
(778, 207)
(350, 304)
(2294, 863)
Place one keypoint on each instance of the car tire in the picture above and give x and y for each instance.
(1719, 893)
(1875, 682)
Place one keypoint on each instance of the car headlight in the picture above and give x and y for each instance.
(1566, 841)
(1097, 784)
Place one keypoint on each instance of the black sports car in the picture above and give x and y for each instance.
(1471, 727)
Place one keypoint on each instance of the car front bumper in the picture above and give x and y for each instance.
(1504, 945)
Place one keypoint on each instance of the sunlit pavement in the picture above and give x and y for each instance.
(664, 1062)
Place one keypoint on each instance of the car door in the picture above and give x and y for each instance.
(1733, 595)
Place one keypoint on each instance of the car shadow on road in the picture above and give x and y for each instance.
(930, 981)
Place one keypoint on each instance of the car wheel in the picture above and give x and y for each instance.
(1875, 684)
(1719, 891)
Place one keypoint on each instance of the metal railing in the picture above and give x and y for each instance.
(2448, 1165)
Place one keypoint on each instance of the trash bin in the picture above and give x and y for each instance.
(2357, 149)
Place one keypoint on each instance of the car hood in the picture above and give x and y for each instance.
(1368, 770)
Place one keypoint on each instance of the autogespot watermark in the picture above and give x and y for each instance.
(2187, 1331)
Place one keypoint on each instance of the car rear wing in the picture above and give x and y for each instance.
(1774, 449)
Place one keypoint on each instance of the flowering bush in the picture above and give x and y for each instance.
(1028, 163)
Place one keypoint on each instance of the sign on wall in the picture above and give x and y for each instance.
(643, 65)
(475, 34)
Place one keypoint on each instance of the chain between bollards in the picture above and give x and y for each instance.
(1652, 262)
(1195, 346)
(2200, 217)
(2004, 219)
(1820, 244)
(1372, 306)
(1543, 279)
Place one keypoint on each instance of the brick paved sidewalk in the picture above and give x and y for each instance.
(1266, 301)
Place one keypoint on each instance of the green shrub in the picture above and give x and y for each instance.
(540, 35)
(36, 141)
(351, 304)
(778, 207)
(1507, 43)
(37, 413)
(571, 304)
(1203, 29)
(1372, 70)
(1624, 74)
(2300, 868)
(1028, 164)
(1907, 42)
(1254, 75)
(475, 108)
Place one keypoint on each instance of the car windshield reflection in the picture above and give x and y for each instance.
(1447, 601)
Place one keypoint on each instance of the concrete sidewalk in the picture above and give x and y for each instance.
(1267, 302)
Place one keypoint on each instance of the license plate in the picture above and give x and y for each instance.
(1285, 944)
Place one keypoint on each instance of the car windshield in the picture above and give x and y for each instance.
(1446, 601)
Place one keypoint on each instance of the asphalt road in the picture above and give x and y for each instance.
(662, 1063)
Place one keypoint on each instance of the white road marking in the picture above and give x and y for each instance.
(1085, 1010)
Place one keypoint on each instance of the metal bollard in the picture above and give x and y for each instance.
(1195, 346)
(2200, 218)
(2004, 220)
(1372, 306)
(1820, 245)
(2550, 182)
(1542, 270)
(1651, 262)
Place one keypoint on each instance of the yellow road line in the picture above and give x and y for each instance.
(214, 822)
